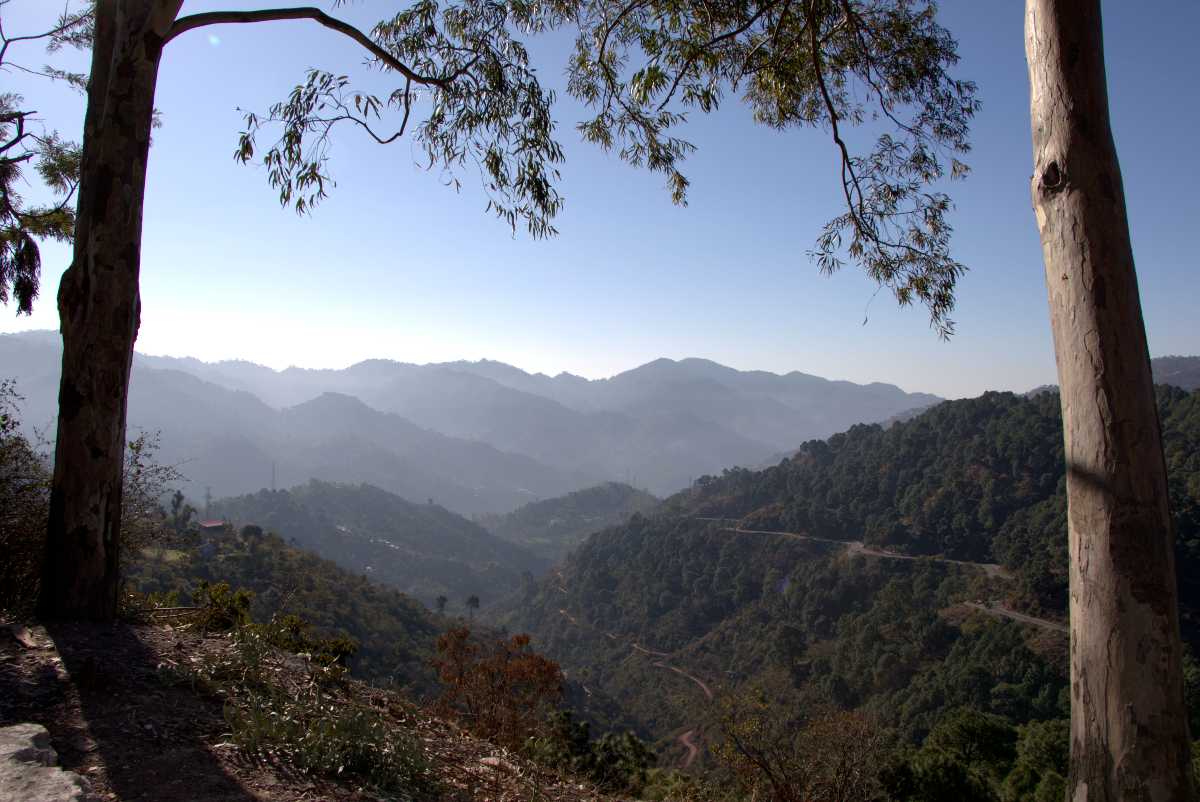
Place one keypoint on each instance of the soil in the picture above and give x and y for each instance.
(118, 714)
(117, 717)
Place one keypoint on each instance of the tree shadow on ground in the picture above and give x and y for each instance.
(146, 727)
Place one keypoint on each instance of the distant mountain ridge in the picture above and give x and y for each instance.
(660, 424)
(477, 437)
(1181, 371)
(228, 442)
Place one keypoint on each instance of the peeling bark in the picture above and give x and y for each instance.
(99, 306)
(1129, 731)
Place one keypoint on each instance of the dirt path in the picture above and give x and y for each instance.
(707, 691)
(688, 739)
(858, 547)
(1004, 612)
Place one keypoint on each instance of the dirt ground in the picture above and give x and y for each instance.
(118, 714)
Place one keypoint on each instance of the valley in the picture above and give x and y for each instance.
(755, 580)
(909, 571)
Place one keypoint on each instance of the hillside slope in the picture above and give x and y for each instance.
(395, 633)
(421, 549)
(163, 712)
(904, 571)
(553, 527)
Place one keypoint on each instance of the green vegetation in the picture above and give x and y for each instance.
(818, 625)
(24, 500)
(616, 763)
(979, 479)
(300, 714)
(25, 503)
(25, 142)
(505, 692)
(551, 528)
(421, 549)
(394, 634)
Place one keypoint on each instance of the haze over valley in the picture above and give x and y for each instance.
(476, 437)
(594, 401)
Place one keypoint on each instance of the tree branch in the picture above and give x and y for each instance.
(857, 211)
(185, 24)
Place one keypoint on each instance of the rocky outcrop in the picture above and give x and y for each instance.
(29, 768)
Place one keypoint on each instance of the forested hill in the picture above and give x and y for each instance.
(421, 549)
(831, 610)
(394, 633)
(979, 479)
(553, 527)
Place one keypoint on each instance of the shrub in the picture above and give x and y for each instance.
(293, 634)
(302, 718)
(615, 763)
(24, 508)
(315, 734)
(835, 755)
(220, 607)
(502, 692)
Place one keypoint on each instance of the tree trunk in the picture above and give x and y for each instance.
(1129, 732)
(99, 307)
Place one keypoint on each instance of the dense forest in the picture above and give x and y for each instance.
(421, 549)
(856, 604)
(979, 480)
(551, 528)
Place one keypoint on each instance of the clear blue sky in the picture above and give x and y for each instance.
(396, 265)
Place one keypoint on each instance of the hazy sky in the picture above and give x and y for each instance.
(397, 265)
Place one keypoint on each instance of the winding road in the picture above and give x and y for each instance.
(1004, 612)
(858, 547)
(688, 738)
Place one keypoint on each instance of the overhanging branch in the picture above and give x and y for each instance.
(185, 24)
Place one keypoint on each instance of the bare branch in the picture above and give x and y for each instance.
(185, 24)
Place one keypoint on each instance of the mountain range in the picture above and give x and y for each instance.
(476, 437)
(656, 426)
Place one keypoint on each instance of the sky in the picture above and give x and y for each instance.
(397, 265)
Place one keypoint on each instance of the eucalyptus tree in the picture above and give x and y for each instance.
(487, 110)
(837, 64)
(26, 142)
(643, 66)
(1129, 725)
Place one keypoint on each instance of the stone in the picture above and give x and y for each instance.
(29, 768)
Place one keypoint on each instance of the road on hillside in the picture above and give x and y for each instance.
(858, 547)
(637, 647)
(1004, 612)
(707, 691)
(688, 738)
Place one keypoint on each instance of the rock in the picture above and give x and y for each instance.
(498, 764)
(27, 743)
(29, 771)
(24, 637)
